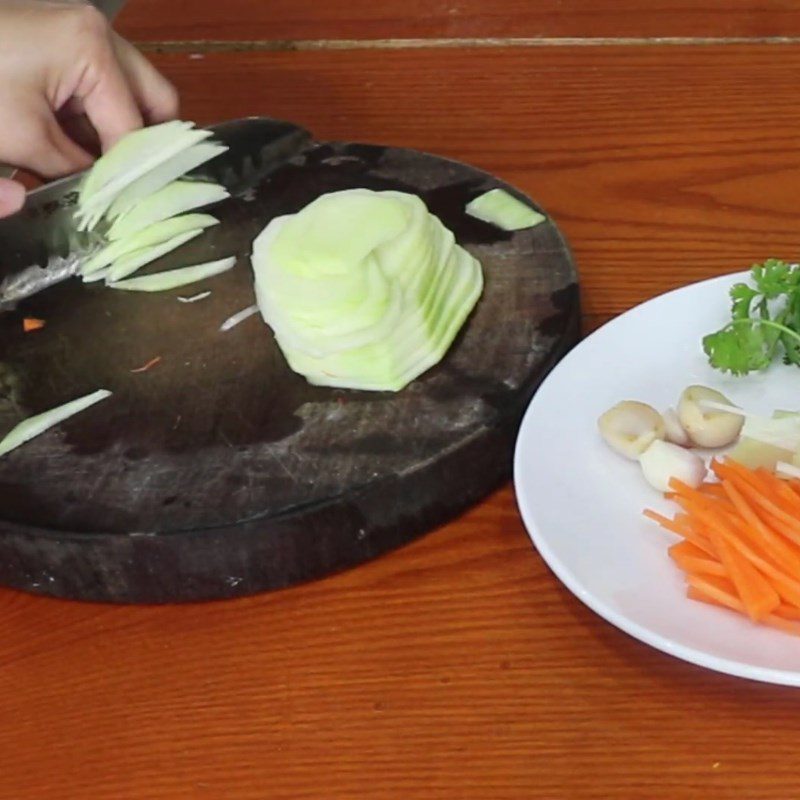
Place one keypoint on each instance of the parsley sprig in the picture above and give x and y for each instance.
(765, 321)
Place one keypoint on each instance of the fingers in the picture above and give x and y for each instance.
(12, 197)
(37, 142)
(156, 97)
(76, 125)
(60, 154)
(108, 101)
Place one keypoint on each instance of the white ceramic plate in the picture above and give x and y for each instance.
(582, 503)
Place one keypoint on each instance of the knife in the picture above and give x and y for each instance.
(41, 245)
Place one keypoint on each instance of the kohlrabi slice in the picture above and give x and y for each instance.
(364, 289)
(413, 348)
(96, 276)
(40, 423)
(93, 206)
(175, 198)
(154, 234)
(128, 151)
(335, 312)
(338, 230)
(502, 209)
(132, 262)
(175, 278)
(163, 175)
(308, 311)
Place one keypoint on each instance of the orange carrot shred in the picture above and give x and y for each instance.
(702, 589)
(690, 558)
(151, 363)
(739, 542)
(32, 324)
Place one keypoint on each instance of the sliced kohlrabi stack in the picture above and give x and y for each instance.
(140, 155)
(140, 187)
(176, 198)
(135, 260)
(363, 289)
(152, 235)
(163, 176)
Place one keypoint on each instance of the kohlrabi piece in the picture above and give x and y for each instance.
(410, 351)
(239, 317)
(40, 423)
(132, 262)
(338, 230)
(363, 289)
(334, 310)
(175, 198)
(330, 313)
(195, 298)
(163, 175)
(93, 206)
(174, 278)
(499, 208)
(128, 151)
(155, 234)
(97, 275)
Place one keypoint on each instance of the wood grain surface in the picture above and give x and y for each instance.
(662, 165)
(458, 667)
(287, 20)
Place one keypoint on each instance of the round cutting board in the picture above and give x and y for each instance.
(219, 472)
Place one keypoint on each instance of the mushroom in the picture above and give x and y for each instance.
(706, 426)
(630, 427)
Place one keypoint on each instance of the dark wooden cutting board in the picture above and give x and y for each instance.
(219, 472)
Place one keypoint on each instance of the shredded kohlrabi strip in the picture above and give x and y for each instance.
(194, 298)
(40, 423)
(174, 278)
(502, 209)
(239, 316)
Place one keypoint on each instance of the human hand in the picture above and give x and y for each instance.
(66, 79)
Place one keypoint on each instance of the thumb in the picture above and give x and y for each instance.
(12, 197)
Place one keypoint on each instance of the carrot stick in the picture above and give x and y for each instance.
(773, 509)
(787, 587)
(733, 470)
(740, 542)
(690, 558)
(781, 527)
(769, 541)
(721, 592)
(703, 590)
(766, 492)
(787, 612)
(713, 490)
(682, 528)
(756, 593)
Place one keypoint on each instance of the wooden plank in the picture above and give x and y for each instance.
(458, 668)
(245, 20)
(655, 181)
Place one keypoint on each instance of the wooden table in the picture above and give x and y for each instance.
(665, 142)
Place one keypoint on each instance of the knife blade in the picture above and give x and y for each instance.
(41, 245)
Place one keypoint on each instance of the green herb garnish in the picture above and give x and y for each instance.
(765, 321)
